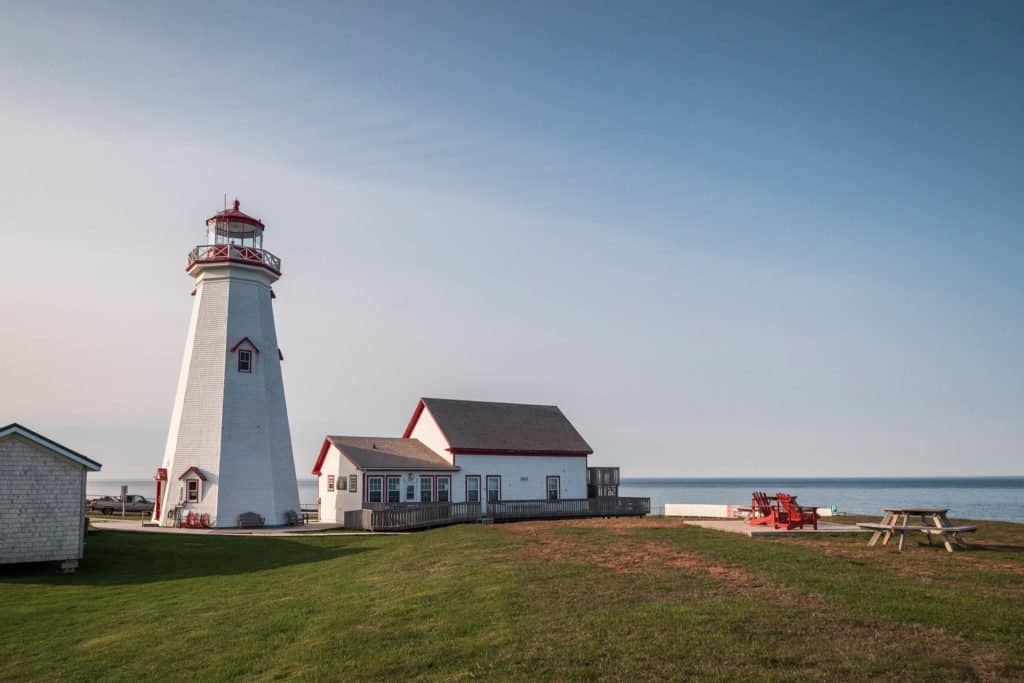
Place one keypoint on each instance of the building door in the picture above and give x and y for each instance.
(493, 489)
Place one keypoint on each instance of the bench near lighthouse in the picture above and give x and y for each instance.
(229, 447)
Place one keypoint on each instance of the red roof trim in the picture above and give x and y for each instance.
(414, 419)
(192, 469)
(245, 340)
(506, 451)
(235, 215)
(226, 259)
(320, 458)
(481, 451)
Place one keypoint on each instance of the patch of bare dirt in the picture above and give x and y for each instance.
(872, 639)
(624, 555)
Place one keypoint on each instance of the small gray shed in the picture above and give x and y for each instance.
(42, 499)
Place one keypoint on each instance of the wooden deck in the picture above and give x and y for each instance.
(409, 516)
(402, 517)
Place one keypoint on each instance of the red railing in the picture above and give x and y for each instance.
(213, 253)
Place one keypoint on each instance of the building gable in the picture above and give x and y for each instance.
(424, 427)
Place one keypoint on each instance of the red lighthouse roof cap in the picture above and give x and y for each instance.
(235, 215)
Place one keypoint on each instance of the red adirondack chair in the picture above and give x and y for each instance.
(763, 510)
(798, 515)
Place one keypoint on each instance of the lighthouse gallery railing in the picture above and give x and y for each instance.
(209, 253)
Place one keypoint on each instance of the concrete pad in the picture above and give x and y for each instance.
(738, 526)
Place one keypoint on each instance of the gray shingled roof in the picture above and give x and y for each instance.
(386, 453)
(505, 427)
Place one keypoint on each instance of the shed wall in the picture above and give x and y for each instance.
(42, 504)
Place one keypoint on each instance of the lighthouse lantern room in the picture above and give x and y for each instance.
(229, 446)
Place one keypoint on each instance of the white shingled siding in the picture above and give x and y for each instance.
(334, 504)
(233, 426)
(429, 434)
(523, 477)
(42, 504)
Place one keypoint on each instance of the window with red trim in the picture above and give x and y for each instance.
(192, 490)
(375, 489)
(552, 484)
(394, 489)
(444, 489)
(473, 489)
(493, 488)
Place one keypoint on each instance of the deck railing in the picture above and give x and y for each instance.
(407, 516)
(573, 507)
(211, 253)
(403, 516)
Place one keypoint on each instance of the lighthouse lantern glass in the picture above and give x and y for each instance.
(238, 234)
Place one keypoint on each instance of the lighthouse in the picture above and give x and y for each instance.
(229, 448)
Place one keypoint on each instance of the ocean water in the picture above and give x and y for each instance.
(1000, 498)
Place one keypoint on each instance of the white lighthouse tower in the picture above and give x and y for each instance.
(229, 450)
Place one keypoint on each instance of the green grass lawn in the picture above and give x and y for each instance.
(595, 599)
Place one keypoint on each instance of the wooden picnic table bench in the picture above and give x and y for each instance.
(933, 523)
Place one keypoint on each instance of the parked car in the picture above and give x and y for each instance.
(111, 504)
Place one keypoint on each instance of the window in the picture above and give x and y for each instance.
(426, 489)
(352, 479)
(374, 489)
(244, 360)
(342, 481)
(493, 488)
(444, 489)
(553, 484)
(192, 490)
(473, 489)
(330, 483)
(410, 492)
(394, 489)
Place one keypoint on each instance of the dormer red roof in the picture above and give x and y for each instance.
(235, 215)
(245, 340)
(192, 470)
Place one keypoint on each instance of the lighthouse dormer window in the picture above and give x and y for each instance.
(192, 490)
(244, 360)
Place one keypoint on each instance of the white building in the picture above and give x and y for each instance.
(42, 499)
(456, 451)
(229, 448)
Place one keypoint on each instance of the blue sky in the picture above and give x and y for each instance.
(732, 239)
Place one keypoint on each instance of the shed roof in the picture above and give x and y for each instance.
(503, 428)
(384, 453)
(50, 445)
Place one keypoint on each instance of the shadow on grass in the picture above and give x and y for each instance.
(996, 547)
(121, 558)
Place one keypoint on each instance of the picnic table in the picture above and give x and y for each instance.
(932, 522)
